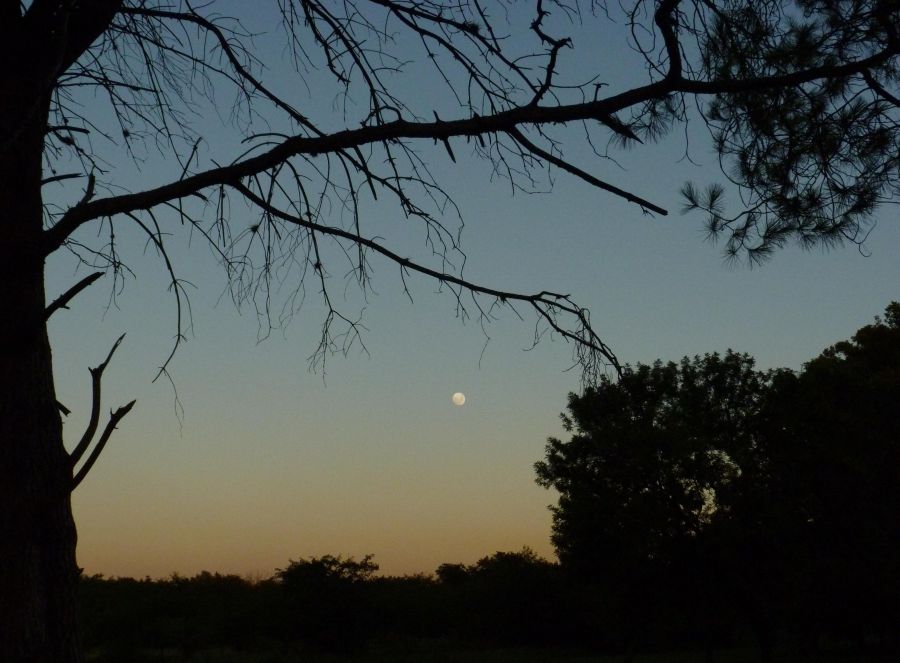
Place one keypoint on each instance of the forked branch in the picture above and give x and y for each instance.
(114, 419)
(90, 431)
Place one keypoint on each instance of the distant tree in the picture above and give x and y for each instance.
(452, 574)
(328, 602)
(409, 606)
(315, 571)
(517, 598)
(136, 620)
(213, 609)
(801, 98)
(508, 597)
(124, 617)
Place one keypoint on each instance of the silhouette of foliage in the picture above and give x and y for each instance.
(648, 455)
(834, 469)
(707, 497)
(125, 619)
(514, 598)
(330, 605)
(328, 600)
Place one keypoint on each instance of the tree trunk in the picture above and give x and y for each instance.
(38, 573)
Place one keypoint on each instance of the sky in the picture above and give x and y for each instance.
(262, 460)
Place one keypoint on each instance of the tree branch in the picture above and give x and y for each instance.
(520, 138)
(738, 86)
(500, 122)
(96, 377)
(81, 22)
(229, 53)
(665, 21)
(879, 88)
(114, 419)
(63, 300)
(60, 178)
(546, 304)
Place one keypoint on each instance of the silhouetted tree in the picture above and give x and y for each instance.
(833, 465)
(328, 602)
(409, 605)
(800, 96)
(647, 455)
(640, 479)
(130, 620)
(700, 496)
(512, 598)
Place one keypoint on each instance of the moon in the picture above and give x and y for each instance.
(459, 398)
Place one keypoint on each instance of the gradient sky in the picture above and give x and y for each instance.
(271, 461)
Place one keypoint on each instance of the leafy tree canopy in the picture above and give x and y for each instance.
(713, 480)
(648, 455)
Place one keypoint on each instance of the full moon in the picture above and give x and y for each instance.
(459, 398)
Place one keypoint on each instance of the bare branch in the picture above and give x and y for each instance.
(546, 304)
(520, 138)
(114, 419)
(880, 89)
(665, 21)
(63, 300)
(224, 44)
(60, 178)
(96, 378)
(66, 128)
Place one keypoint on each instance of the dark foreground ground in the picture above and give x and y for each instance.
(442, 651)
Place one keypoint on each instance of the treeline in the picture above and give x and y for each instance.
(336, 605)
(702, 505)
(705, 498)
